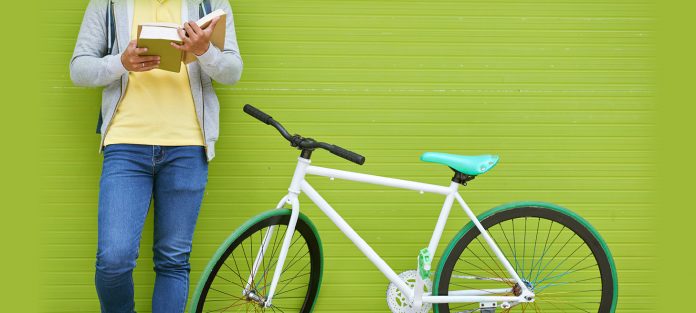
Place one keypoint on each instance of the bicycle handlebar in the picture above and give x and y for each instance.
(347, 154)
(258, 114)
(301, 142)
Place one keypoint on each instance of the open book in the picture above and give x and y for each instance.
(156, 37)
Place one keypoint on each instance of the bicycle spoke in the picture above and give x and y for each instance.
(582, 244)
(536, 238)
(497, 263)
(555, 255)
(290, 290)
(536, 307)
(546, 294)
(245, 257)
(287, 308)
(251, 254)
(465, 261)
(554, 305)
(292, 262)
(233, 296)
(229, 281)
(296, 276)
(492, 271)
(263, 257)
(571, 304)
(514, 244)
(293, 278)
(243, 280)
(279, 309)
(508, 242)
(524, 248)
(225, 308)
(544, 250)
(478, 277)
(275, 261)
(544, 254)
(272, 259)
(473, 288)
(565, 283)
(569, 271)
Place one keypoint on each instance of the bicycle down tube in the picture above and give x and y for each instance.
(299, 184)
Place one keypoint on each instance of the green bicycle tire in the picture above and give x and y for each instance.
(272, 217)
(567, 218)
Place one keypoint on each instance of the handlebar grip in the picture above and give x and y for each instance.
(258, 114)
(347, 154)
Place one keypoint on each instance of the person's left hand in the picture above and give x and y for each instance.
(198, 40)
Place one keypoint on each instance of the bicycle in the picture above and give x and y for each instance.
(282, 272)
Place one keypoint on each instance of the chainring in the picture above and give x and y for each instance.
(397, 301)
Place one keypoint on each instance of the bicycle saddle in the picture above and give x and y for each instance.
(470, 165)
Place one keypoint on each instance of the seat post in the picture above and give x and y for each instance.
(461, 178)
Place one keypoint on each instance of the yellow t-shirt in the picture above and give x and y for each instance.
(157, 107)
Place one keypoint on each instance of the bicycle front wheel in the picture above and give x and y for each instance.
(556, 253)
(228, 286)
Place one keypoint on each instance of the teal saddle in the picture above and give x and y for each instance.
(469, 165)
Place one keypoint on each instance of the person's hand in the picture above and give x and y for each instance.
(195, 39)
(133, 61)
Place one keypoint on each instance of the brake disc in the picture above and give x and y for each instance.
(397, 301)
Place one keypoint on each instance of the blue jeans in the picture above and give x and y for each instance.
(132, 175)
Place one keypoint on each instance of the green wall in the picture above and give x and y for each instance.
(561, 89)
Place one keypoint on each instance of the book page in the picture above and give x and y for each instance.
(202, 23)
(218, 36)
(161, 24)
(159, 32)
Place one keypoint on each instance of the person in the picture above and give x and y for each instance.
(157, 137)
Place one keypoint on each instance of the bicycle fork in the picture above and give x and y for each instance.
(291, 197)
(250, 291)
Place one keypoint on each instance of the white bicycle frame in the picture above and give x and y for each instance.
(415, 295)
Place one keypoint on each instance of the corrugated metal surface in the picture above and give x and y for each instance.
(561, 89)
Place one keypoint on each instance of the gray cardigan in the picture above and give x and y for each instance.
(90, 66)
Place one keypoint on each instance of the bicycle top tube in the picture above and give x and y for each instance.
(381, 180)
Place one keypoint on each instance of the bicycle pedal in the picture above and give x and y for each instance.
(424, 261)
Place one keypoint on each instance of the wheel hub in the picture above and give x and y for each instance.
(517, 289)
(253, 296)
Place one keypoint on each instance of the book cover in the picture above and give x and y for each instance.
(156, 37)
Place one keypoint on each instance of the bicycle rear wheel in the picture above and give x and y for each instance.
(223, 284)
(557, 254)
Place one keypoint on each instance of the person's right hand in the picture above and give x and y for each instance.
(133, 61)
